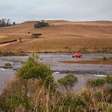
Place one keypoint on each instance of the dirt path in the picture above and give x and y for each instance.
(6, 44)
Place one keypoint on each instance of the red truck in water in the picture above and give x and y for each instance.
(77, 55)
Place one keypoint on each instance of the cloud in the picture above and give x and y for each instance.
(56, 9)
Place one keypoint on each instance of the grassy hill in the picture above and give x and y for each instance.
(60, 36)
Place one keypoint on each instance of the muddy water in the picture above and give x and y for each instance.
(83, 72)
(54, 61)
(5, 76)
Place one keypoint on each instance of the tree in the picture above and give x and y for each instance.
(5, 22)
(14, 23)
(41, 24)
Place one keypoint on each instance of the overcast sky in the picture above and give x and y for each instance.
(20, 10)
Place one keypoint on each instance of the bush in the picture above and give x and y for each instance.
(34, 70)
(109, 79)
(41, 24)
(96, 82)
(68, 81)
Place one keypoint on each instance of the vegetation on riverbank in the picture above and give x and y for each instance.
(68, 82)
(35, 90)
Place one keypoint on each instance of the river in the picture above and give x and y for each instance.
(82, 71)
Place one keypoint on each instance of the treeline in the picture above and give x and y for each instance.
(6, 22)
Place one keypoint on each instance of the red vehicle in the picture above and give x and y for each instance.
(77, 55)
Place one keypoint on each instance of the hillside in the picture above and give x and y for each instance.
(60, 36)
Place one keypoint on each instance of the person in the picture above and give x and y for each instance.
(77, 55)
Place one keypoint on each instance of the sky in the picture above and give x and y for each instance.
(76, 10)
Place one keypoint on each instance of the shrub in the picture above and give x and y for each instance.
(41, 24)
(96, 82)
(34, 70)
(109, 79)
(68, 81)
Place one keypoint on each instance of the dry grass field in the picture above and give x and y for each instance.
(60, 36)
